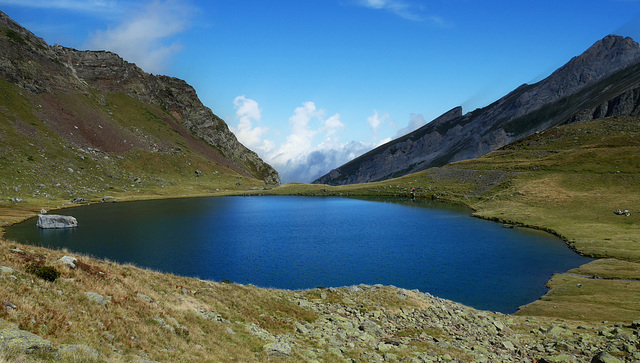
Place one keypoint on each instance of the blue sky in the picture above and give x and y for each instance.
(310, 84)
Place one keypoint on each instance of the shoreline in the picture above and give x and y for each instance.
(351, 195)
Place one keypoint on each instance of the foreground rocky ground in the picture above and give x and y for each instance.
(438, 330)
(100, 311)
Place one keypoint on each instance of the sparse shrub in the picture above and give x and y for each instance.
(15, 36)
(225, 281)
(47, 273)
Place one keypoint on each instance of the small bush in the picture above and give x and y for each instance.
(15, 36)
(48, 273)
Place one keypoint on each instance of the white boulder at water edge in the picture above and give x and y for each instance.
(49, 221)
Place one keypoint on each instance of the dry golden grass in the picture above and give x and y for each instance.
(127, 325)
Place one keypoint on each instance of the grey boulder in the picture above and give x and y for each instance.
(51, 221)
(23, 341)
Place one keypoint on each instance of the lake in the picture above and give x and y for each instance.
(305, 242)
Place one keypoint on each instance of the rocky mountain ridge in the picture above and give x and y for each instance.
(603, 81)
(39, 69)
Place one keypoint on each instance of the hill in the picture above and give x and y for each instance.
(568, 180)
(85, 124)
(603, 81)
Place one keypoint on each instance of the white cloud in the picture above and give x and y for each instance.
(300, 141)
(318, 161)
(415, 122)
(375, 121)
(248, 112)
(311, 149)
(145, 37)
(408, 9)
(333, 124)
(398, 7)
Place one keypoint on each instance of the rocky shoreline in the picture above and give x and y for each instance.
(348, 324)
(441, 330)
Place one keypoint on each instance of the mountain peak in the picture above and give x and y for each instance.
(603, 58)
(602, 81)
(612, 52)
(613, 41)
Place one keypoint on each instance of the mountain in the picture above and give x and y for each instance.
(603, 81)
(66, 113)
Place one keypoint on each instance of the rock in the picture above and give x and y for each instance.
(384, 347)
(259, 332)
(164, 324)
(9, 306)
(144, 297)
(562, 358)
(68, 261)
(372, 328)
(108, 336)
(555, 331)
(6, 270)
(508, 345)
(604, 357)
(77, 200)
(95, 297)
(499, 325)
(335, 351)
(300, 328)
(635, 324)
(209, 315)
(74, 349)
(198, 172)
(52, 221)
(277, 349)
(108, 199)
(23, 341)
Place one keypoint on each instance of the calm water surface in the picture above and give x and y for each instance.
(305, 242)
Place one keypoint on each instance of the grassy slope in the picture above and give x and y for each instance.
(568, 180)
(46, 170)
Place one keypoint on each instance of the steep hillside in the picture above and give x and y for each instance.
(81, 123)
(603, 81)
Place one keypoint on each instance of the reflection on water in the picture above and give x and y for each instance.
(305, 242)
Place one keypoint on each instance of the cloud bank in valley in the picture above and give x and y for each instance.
(313, 146)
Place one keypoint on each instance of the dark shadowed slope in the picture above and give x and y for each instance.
(603, 81)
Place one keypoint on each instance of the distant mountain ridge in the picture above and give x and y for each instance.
(602, 81)
(49, 71)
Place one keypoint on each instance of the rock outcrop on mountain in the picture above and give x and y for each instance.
(603, 81)
(30, 63)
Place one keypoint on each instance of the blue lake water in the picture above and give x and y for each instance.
(306, 242)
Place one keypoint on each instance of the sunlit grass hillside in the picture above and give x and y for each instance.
(142, 152)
